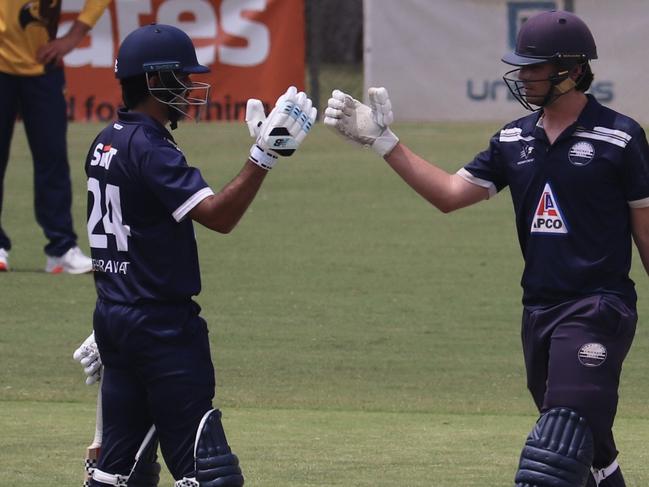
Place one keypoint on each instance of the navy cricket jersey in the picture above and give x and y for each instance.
(140, 189)
(571, 200)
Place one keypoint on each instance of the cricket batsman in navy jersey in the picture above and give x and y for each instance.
(158, 379)
(578, 174)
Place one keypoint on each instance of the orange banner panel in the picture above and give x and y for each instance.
(255, 49)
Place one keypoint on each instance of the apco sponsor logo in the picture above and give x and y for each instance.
(102, 155)
(547, 217)
(592, 354)
(581, 153)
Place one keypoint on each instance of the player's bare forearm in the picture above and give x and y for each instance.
(640, 228)
(368, 125)
(221, 212)
(447, 192)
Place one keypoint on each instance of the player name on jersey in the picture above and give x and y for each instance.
(110, 266)
(547, 217)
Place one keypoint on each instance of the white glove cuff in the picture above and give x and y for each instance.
(385, 142)
(265, 160)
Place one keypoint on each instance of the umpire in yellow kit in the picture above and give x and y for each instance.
(32, 84)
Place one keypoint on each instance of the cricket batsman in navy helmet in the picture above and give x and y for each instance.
(143, 197)
(578, 175)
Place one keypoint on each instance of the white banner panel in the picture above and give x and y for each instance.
(440, 59)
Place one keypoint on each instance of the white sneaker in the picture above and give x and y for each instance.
(72, 262)
(4, 260)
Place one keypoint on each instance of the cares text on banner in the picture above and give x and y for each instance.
(246, 43)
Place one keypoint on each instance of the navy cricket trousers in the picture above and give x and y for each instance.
(573, 357)
(41, 103)
(157, 370)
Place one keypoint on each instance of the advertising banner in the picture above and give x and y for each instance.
(255, 49)
(441, 60)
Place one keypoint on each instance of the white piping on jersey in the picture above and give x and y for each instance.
(612, 136)
(190, 203)
(513, 135)
(467, 176)
(641, 203)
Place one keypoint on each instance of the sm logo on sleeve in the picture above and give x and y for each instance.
(102, 155)
(548, 217)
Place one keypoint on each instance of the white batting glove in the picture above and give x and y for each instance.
(283, 131)
(88, 355)
(365, 125)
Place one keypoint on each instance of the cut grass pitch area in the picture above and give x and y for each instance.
(360, 337)
(306, 447)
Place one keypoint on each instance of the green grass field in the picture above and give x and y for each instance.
(361, 338)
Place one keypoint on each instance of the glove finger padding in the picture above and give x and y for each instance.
(92, 367)
(332, 117)
(305, 120)
(91, 356)
(290, 94)
(350, 105)
(335, 104)
(93, 372)
(91, 379)
(88, 356)
(365, 125)
(85, 348)
(381, 106)
(283, 109)
(297, 117)
(339, 95)
(287, 124)
(313, 114)
(255, 116)
(334, 110)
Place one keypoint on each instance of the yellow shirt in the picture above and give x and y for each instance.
(23, 32)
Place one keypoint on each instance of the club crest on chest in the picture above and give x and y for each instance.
(581, 153)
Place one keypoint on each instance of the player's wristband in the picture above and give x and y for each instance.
(385, 142)
(263, 159)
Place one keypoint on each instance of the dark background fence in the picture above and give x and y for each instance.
(334, 48)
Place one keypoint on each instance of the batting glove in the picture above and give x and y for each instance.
(88, 355)
(283, 131)
(365, 125)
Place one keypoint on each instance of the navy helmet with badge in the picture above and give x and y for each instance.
(168, 54)
(157, 47)
(556, 37)
(553, 36)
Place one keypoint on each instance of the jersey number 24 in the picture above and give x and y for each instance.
(108, 210)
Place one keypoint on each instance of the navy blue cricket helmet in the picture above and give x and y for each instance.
(157, 47)
(554, 36)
